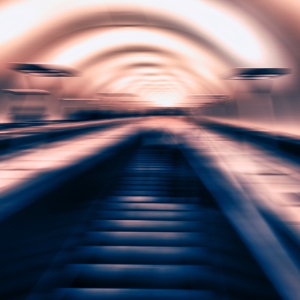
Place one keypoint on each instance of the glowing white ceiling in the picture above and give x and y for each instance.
(163, 50)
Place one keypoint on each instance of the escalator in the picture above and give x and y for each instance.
(156, 234)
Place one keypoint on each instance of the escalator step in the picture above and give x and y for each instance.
(146, 225)
(151, 215)
(141, 276)
(142, 255)
(148, 206)
(134, 238)
(132, 294)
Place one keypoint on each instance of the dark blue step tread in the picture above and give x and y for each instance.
(143, 225)
(160, 180)
(146, 238)
(146, 181)
(132, 294)
(145, 192)
(152, 215)
(161, 255)
(189, 277)
(149, 199)
(166, 174)
(148, 206)
(183, 185)
(141, 276)
(141, 255)
(171, 189)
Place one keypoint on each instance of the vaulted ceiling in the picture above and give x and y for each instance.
(162, 49)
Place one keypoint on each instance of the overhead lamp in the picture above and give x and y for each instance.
(257, 73)
(43, 70)
(25, 92)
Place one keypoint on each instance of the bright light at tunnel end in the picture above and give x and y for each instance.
(164, 99)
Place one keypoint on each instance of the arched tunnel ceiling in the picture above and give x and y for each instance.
(135, 46)
(280, 17)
